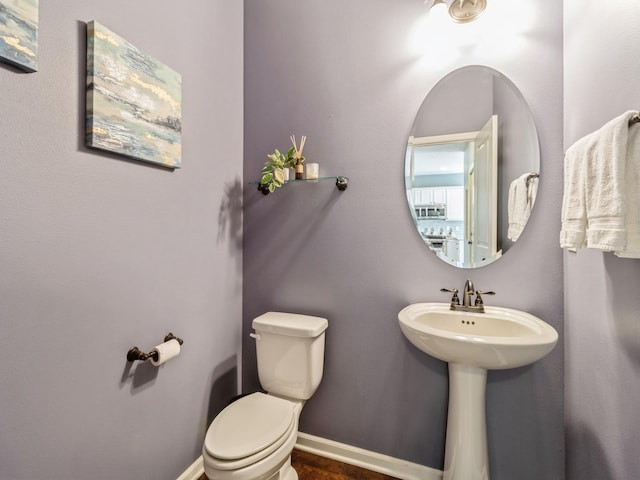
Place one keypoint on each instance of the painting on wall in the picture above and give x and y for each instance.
(19, 33)
(134, 102)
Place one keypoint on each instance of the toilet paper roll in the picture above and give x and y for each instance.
(165, 351)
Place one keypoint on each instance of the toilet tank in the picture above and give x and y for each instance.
(290, 353)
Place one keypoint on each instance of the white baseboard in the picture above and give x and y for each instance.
(195, 470)
(342, 452)
(359, 457)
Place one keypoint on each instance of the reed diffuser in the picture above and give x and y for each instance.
(298, 157)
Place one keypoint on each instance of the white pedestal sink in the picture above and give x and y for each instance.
(472, 343)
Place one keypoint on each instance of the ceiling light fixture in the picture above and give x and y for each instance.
(461, 11)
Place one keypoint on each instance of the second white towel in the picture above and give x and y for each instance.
(522, 196)
(593, 205)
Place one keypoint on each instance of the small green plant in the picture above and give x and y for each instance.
(273, 171)
(273, 175)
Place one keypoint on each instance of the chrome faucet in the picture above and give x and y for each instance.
(467, 293)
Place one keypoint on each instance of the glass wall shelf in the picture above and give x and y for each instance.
(341, 182)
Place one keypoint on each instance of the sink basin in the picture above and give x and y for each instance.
(473, 343)
(497, 339)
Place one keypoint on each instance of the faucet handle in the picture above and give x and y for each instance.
(479, 301)
(454, 299)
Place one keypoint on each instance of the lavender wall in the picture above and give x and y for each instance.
(602, 343)
(343, 74)
(98, 253)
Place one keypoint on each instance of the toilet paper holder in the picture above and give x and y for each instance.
(135, 353)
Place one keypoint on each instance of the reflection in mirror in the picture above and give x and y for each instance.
(471, 167)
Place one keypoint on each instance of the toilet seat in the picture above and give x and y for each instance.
(248, 430)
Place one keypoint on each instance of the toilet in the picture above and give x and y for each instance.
(253, 437)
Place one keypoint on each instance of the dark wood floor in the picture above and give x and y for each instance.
(313, 467)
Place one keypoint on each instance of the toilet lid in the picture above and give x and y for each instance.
(248, 426)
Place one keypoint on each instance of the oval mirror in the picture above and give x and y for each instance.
(472, 166)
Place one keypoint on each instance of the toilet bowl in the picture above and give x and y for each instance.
(252, 438)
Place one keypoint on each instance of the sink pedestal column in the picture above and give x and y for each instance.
(466, 448)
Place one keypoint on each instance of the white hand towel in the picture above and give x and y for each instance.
(574, 201)
(593, 206)
(605, 185)
(522, 193)
(632, 195)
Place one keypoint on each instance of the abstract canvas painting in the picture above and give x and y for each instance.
(19, 33)
(134, 102)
